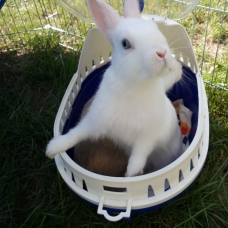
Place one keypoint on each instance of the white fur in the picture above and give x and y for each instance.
(131, 106)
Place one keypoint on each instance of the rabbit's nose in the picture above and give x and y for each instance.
(160, 54)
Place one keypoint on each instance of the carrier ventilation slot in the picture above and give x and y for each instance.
(114, 189)
(84, 185)
(81, 79)
(72, 176)
(181, 57)
(110, 55)
(166, 185)
(191, 165)
(150, 191)
(76, 85)
(181, 176)
(73, 94)
(189, 64)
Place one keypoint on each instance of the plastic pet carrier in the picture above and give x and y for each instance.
(149, 191)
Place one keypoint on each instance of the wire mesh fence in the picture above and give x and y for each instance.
(22, 20)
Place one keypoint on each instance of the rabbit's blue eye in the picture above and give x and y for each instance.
(126, 44)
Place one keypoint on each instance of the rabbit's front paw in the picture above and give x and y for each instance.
(55, 146)
(133, 170)
(131, 173)
(135, 165)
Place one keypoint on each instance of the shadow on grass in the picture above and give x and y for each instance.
(32, 194)
(31, 86)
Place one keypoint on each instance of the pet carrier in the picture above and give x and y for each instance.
(149, 191)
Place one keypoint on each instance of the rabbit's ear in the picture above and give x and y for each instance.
(131, 8)
(105, 17)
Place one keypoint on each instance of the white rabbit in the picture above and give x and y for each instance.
(131, 106)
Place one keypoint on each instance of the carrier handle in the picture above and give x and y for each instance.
(121, 215)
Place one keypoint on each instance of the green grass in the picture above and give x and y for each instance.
(210, 40)
(34, 73)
